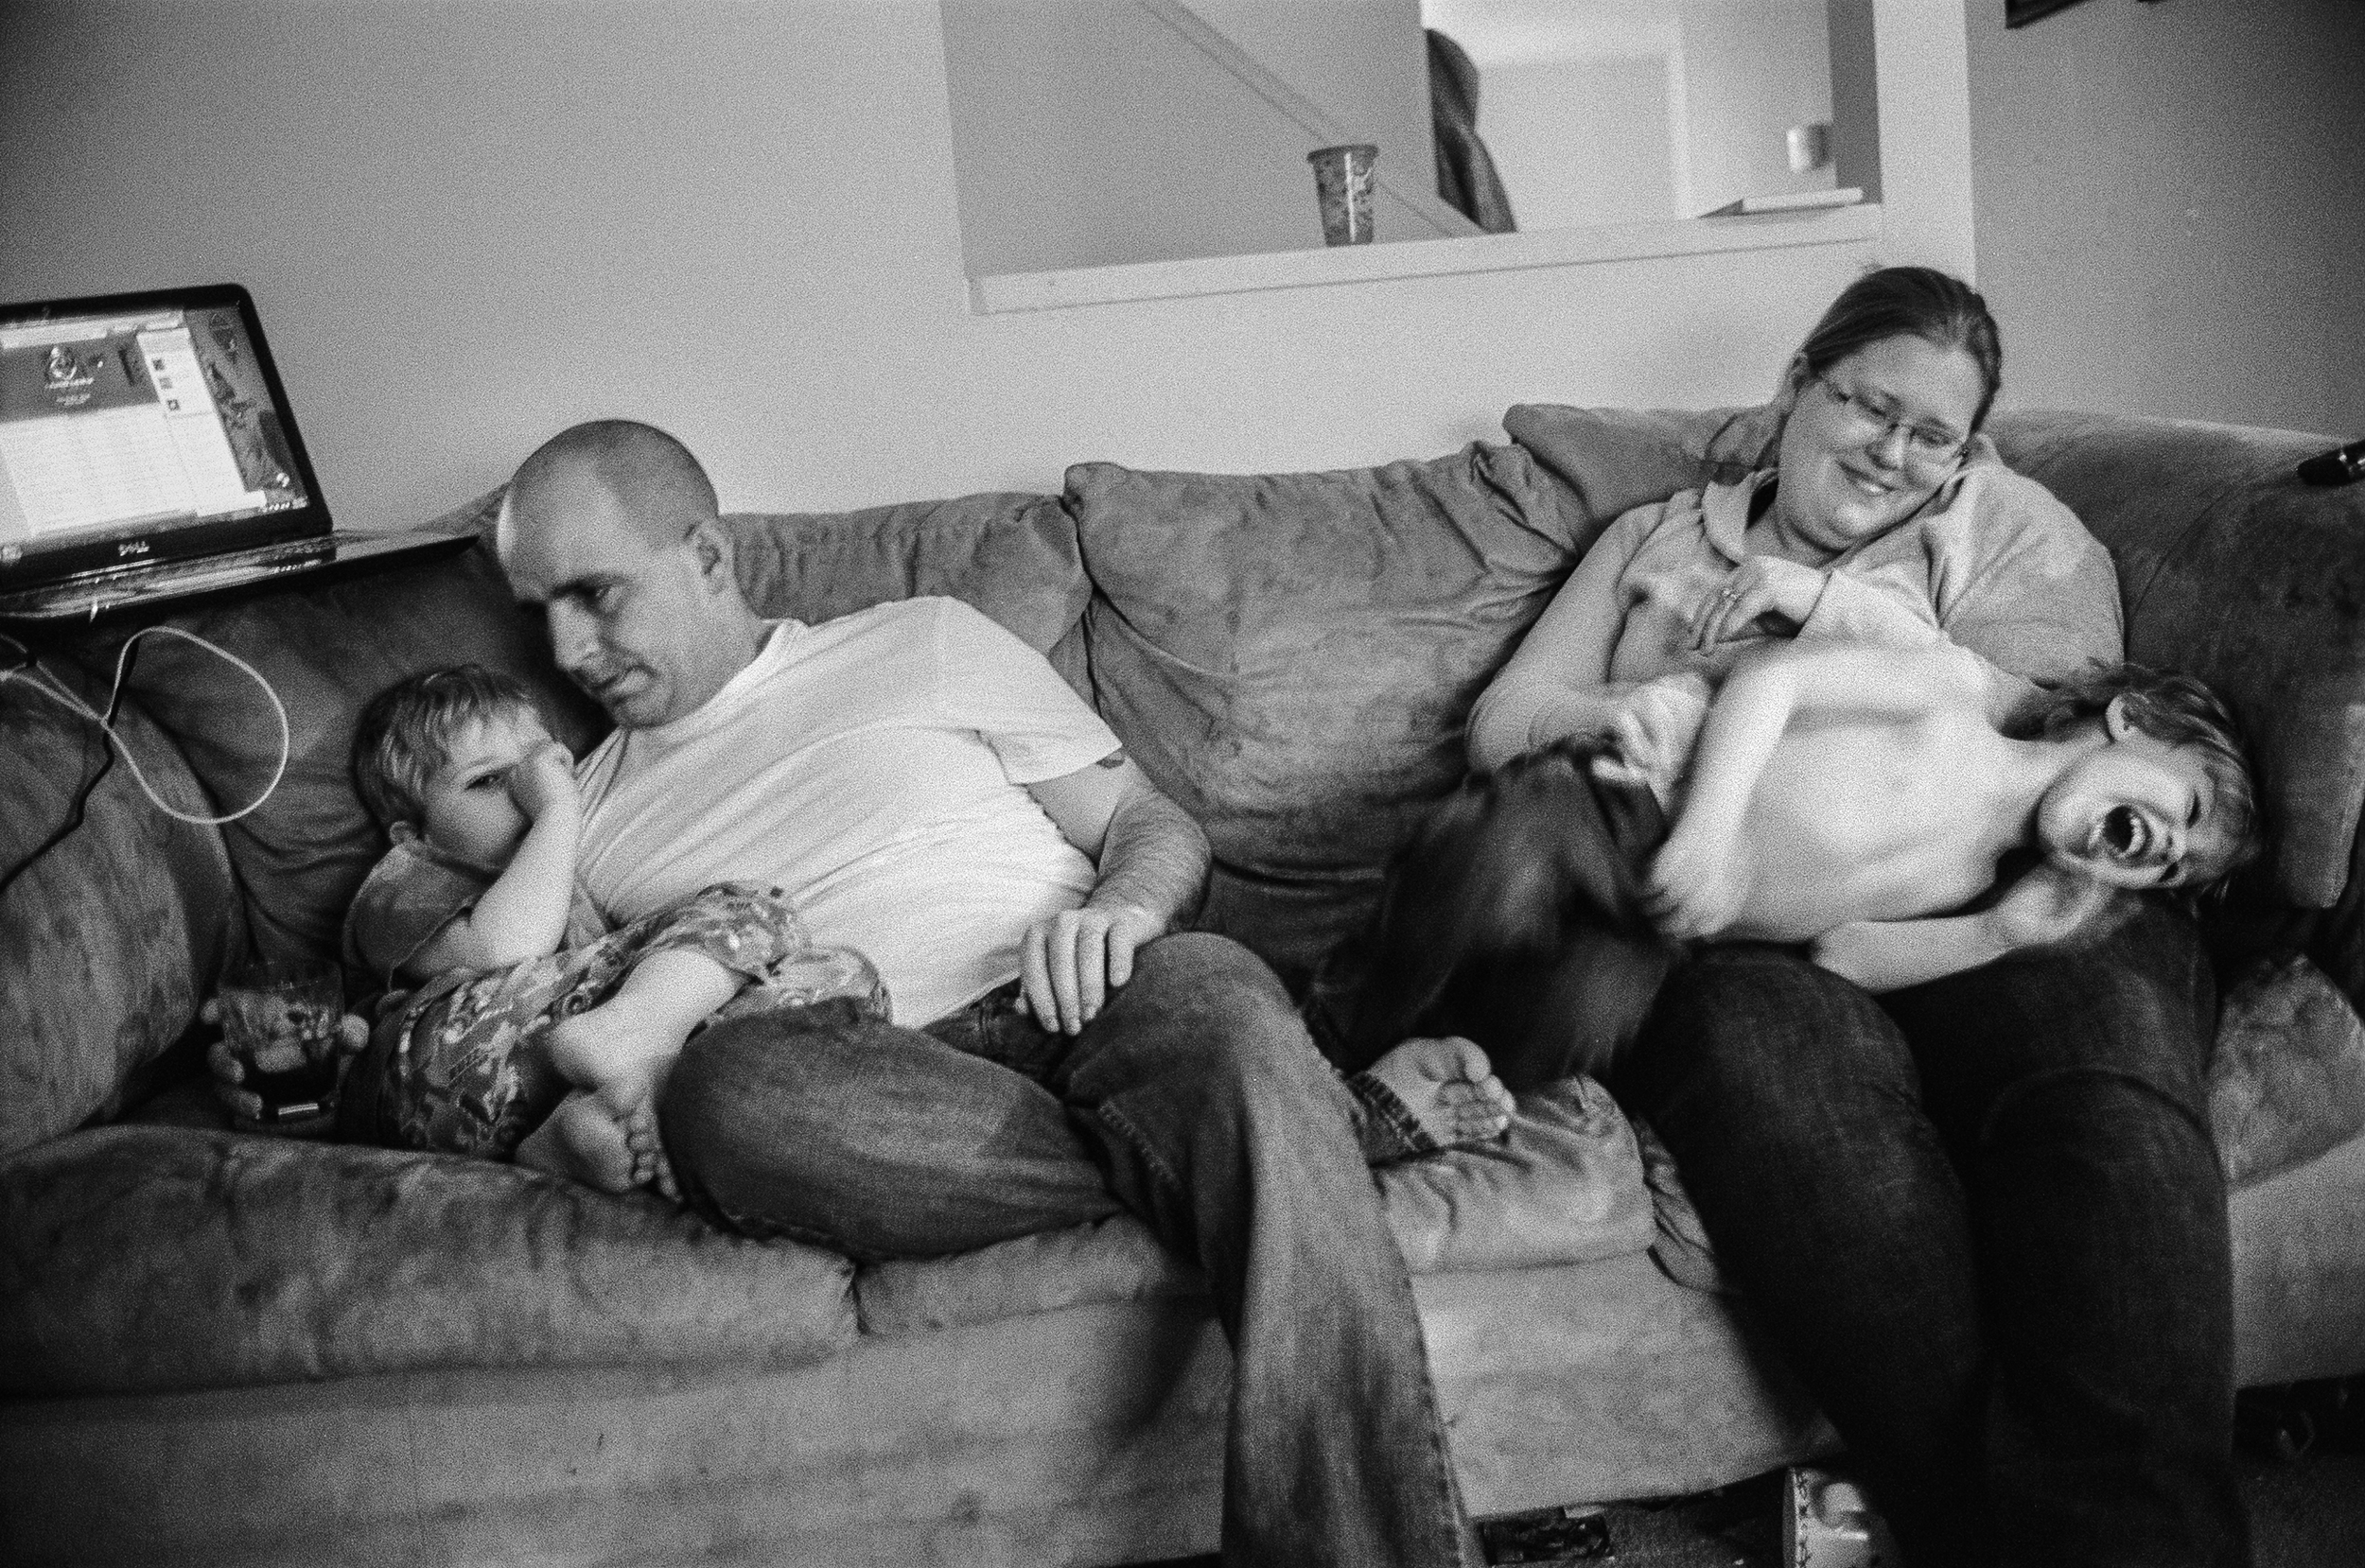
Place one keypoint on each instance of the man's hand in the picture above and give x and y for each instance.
(1762, 585)
(1694, 889)
(545, 779)
(1071, 963)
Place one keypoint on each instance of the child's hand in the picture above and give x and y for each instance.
(545, 779)
(1694, 889)
(1655, 728)
(2045, 906)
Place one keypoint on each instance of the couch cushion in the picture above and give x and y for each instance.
(2287, 1076)
(1292, 656)
(142, 1258)
(1565, 1186)
(2234, 571)
(1012, 556)
(1615, 460)
(110, 938)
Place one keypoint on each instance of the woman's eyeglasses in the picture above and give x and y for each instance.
(1927, 447)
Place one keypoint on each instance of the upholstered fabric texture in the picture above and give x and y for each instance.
(326, 649)
(110, 938)
(1012, 556)
(1292, 656)
(149, 1258)
(2287, 1078)
(2234, 571)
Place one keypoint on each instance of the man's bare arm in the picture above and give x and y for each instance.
(1151, 860)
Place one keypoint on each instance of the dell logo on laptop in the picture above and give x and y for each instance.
(131, 547)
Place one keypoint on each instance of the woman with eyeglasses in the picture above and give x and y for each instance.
(1980, 1218)
(1885, 517)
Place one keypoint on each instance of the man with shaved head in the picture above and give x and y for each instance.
(929, 793)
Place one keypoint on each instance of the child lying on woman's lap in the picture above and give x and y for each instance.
(1858, 801)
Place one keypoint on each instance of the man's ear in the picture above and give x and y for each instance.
(2116, 722)
(402, 832)
(710, 547)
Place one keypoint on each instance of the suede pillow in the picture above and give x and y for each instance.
(2286, 1080)
(1012, 556)
(1615, 460)
(2234, 571)
(1292, 656)
(326, 648)
(110, 938)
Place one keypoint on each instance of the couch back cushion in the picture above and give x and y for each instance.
(1292, 656)
(2233, 570)
(108, 938)
(1012, 555)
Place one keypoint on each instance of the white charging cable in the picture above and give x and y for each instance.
(41, 680)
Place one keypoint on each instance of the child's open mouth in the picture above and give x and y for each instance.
(2124, 833)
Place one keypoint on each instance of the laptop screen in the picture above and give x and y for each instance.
(141, 428)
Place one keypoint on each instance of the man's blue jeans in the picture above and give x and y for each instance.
(1195, 1102)
(1985, 1222)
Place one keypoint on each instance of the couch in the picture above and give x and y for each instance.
(216, 1347)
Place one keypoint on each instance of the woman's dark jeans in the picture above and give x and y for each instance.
(1983, 1221)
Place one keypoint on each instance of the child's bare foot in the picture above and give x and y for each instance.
(649, 1167)
(617, 1051)
(1431, 1094)
(582, 1142)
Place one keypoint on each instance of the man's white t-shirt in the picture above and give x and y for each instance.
(872, 767)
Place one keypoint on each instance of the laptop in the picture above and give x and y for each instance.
(147, 456)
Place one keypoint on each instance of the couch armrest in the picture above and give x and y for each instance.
(2233, 570)
(111, 938)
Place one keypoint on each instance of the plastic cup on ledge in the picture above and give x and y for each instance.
(1342, 187)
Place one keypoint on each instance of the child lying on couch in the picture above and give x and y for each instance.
(1854, 800)
(512, 1009)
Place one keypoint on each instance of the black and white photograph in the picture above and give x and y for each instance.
(1199, 783)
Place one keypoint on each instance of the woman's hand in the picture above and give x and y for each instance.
(1762, 585)
(1695, 888)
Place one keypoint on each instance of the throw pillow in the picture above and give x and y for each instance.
(2286, 1080)
(1012, 556)
(1292, 656)
(1615, 460)
(108, 938)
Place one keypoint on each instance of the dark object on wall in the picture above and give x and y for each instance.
(2341, 465)
(1465, 171)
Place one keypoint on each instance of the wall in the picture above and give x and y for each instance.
(2170, 202)
(1092, 133)
(469, 226)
